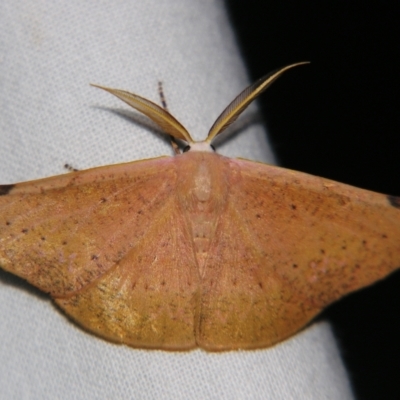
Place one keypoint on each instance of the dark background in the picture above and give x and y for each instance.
(337, 118)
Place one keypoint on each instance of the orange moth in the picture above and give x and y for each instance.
(196, 250)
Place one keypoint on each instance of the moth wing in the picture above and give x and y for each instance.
(288, 245)
(107, 244)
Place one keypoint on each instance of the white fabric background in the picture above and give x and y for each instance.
(50, 51)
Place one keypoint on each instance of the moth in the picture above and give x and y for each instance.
(196, 250)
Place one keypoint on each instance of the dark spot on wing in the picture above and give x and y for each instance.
(24, 231)
(5, 189)
(394, 201)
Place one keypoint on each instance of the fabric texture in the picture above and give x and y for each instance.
(50, 52)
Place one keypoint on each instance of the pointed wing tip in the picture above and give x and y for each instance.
(394, 201)
(6, 189)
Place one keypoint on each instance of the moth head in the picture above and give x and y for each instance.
(203, 146)
(171, 126)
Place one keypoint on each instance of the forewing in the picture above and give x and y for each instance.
(63, 232)
(111, 249)
(288, 245)
(149, 298)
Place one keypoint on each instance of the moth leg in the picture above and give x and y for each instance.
(174, 144)
(70, 168)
